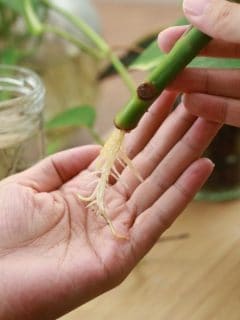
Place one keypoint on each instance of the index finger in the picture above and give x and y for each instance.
(215, 48)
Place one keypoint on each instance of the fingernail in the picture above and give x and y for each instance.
(195, 7)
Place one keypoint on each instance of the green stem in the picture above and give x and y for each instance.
(2, 20)
(102, 46)
(96, 136)
(171, 65)
(34, 24)
(68, 37)
(80, 24)
(122, 71)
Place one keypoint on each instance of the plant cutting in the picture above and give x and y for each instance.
(192, 42)
(127, 119)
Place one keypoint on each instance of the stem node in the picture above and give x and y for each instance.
(147, 91)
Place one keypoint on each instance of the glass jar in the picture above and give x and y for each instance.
(70, 78)
(21, 122)
(224, 151)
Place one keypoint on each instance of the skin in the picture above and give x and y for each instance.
(212, 94)
(55, 254)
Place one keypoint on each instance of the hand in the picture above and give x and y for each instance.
(56, 254)
(218, 18)
(213, 94)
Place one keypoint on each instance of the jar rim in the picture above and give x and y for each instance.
(36, 89)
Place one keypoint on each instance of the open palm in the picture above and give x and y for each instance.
(55, 254)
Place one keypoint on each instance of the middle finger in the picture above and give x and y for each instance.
(220, 82)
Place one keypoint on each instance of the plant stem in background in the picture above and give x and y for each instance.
(102, 48)
(98, 41)
(34, 24)
(71, 39)
(96, 136)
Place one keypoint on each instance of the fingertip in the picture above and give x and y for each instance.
(205, 106)
(163, 41)
(209, 164)
(205, 169)
(168, 37)
(196, 175)
(186, 100)
(218, 19)
(195, 104)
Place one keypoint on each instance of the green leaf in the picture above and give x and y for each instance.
(15, 5)
(81, 116)
(54, 147)
(221, 63)
(149, 59)
(10, 56)
(152, 56)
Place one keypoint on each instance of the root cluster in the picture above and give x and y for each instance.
(106, 167)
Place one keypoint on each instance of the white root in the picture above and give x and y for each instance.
(105, 168)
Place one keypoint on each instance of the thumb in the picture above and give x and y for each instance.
(217, 18)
